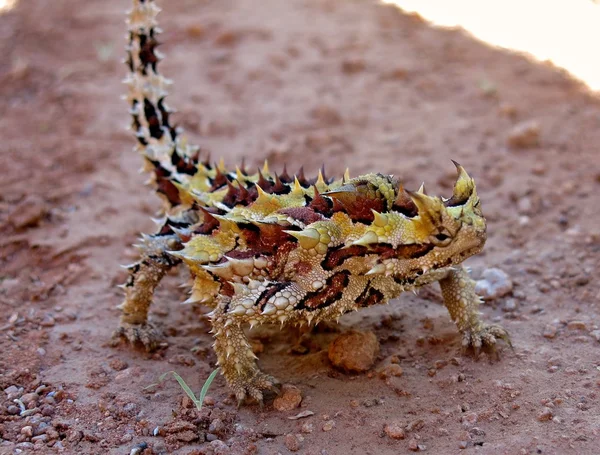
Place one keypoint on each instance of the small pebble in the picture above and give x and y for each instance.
(413, 445)
(292, 443)
(391, 370)
(394, 430)
(30, 398)
(307, 428)
(524, 135)
(545, 415)
(27, 431)
(549, 331)
(576, 325)
(290, 398)
(328, 426)
(495, 283)
(354, 351)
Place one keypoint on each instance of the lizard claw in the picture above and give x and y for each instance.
(485, 337)
(254, 388)
(146, 334)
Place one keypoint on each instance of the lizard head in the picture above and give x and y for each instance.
(421, 233)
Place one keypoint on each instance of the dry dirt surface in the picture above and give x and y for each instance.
(304, 82)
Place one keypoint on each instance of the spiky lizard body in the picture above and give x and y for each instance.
(269, 248)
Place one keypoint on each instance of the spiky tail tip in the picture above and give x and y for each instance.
(164, 148)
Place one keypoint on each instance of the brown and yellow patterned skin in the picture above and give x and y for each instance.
(264, 247)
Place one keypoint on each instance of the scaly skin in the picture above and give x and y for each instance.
(269, 248)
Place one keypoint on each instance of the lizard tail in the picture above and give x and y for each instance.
(166, 152)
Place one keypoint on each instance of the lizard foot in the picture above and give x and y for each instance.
(254, 387)
(146, 334)
(484, 337)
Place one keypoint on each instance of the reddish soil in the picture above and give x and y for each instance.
(303, 82)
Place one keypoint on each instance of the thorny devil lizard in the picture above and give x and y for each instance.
(278, 248)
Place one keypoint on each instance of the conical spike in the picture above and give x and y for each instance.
(403, 202)
(262, 182)
(346, 177)
(319, 203)
(376, 270)
(463, 188)
(239, 174)
(269, 309)
(297, 187)
(421, 189)
(265, 168)
(379, 220)
(206, 161)
(223, 271)
(367, 239)
(262, 195)
(279, 186)
(241, 267)
(285, 177)
(323, 173)
(221, 165)
(308, 238)
(429, 208)
(320, 180)
(301, 177)
(243, 166)
(243, 191)
(220, 179)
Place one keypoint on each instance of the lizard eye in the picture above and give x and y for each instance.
(441, 239)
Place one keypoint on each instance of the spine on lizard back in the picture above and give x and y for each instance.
(162, 145)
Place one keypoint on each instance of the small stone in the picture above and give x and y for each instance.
(41, 438)
(510, 305)
(292, 442)
(13, 410)
(216, 426)
(27, 431)
(545, 415)
(576, 325)
(550, 331)
(391, 370)
(328, 426)
(290, 398)
(470, 418)
(524, 135)
(307, 428)
(415, 425)
(47, 410)
(30, 399)
(118, 364)
(394, 430)
(12, 392)
(495, 283)
(413, 445)
(595, 334)
(354, 351)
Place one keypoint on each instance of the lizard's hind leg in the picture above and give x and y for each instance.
(144, 277)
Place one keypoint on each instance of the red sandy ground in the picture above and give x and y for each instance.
(305, 82)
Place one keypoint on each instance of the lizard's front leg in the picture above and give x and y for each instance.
(234, 353)
(458, 290)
